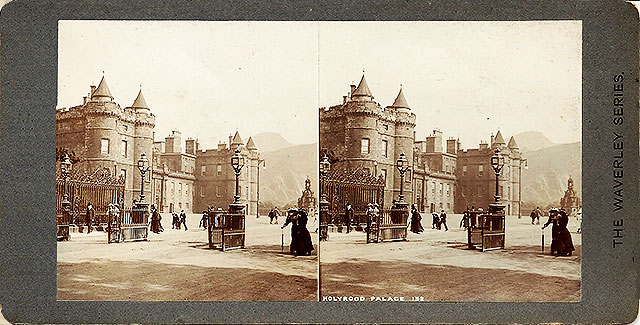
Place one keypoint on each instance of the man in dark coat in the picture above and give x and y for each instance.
(183, 219)
(348, 215)
(443, 220)
(88, 219)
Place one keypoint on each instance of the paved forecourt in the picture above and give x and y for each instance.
(437, 265)
(178, 265)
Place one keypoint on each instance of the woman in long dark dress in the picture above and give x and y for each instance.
(300, 238)
(561, 243)
(416, 226)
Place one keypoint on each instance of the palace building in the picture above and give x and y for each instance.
(362, 134)
(476, 179)
(434, 173)
(174, 173)
(214, 184)
(100, 133)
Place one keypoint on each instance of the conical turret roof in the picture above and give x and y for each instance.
(251, 145)
(512, 143)
(237, 139)
(102, 90)
(363, 89)
(499, 139)
(400, 100)
(140, 102)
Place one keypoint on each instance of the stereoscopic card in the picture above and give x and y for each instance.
(388, 162)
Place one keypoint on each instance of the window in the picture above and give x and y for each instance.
(180, 205)
(201, 191)
(104, 146)
(385, 144)
(479, 190)
(187, 205)
(433, 188)
(441, 188)
(173, 187)
(179, 188)
(186, 189)
(218, 191)
(364, 146)
(123, 173)
(480, 170)
(448, 206)
(463, 191)
(125, 127)
(203, 169)
(448, 189)
(386, 126)
(219, 170)
(384, 175)
(123, 149)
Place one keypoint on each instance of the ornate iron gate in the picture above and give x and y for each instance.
(129, 225)
(390, 225)
(97, 187)
(340, 187)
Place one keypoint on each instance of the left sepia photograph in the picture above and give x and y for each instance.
(186, 161)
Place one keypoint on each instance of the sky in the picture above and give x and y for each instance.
(209, 79)
(467, 79)
(206, 79)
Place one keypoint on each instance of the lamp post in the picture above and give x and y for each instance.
(324, 168)
(520, 186)
(497, 163)
(403, 166)
(237, 162)
(143, 167)
(63, 227)
(260, 161)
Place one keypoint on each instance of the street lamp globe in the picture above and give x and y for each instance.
(497, 161)
(402, 164)
(142, 163)
(237, 162)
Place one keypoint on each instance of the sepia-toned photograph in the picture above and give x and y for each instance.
(187, 161)
(450, 161)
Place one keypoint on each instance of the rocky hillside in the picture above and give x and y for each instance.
(532, 141)
(270, 141)
(282, 182)
(545, 181)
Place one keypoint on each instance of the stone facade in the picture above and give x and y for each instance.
(103, 134)
(359, 133)
(476, 178)
(214, 184)
(174, 174)
(434, 173)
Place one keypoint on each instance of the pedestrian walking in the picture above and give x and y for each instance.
(175, 221)
(416, 226)
(271, 214)
(443, 220)
(203, 220)
(348, 215)
(435, 221)
(538, 215)
(183, 219)
(276, 214)
(89, 217)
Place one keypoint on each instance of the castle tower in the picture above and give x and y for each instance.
(498, 141)
(360, 128)
(142, 141)
(404, 137)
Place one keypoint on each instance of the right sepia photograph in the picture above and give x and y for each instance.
(450, 161)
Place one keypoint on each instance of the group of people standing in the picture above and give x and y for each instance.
(179, 220)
